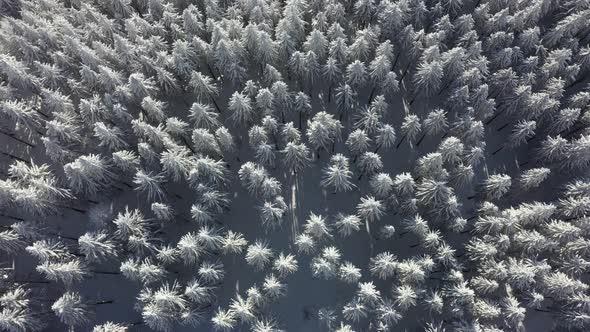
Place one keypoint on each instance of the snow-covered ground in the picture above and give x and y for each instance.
(495, 66)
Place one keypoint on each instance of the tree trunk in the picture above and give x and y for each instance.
(13, 136)
(71, 208)
(495, 116)
(532, 138)
(41, 113)
(445, 87)
(371, 95)
(404, 73)
(395, 61)
(504, 126)
(186, 143)
(400, 141)
(498, 150)
(125, 184)
(420, 140)
(211, 72)
(12, 217)
(15, 157)
(276, 139)
(30, 281)
(215, 103)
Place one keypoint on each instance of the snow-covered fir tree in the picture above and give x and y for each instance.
(318, 165)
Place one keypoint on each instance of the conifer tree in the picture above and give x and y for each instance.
(70, 309)
(296, 156)
(112, 104)
(411, 127)
(337, 174)
(240, 107)
(87, 174)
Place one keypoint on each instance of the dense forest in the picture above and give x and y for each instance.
(294, 165)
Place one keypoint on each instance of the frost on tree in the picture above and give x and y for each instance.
(240, 162)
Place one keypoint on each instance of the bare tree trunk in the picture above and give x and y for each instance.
(400, 142)
(186, 143)
(71, 208)
(421, 139)
(30, 281)
(445, 87)
(14, 157)
(13, 136)
(300, 120)
(502, 127)
(41, 113)
(211, 72)
(371, 95)
(395, 61)
(495, 116)
(498, 150)
(215, 103)
(404, 73)
(12, 217)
